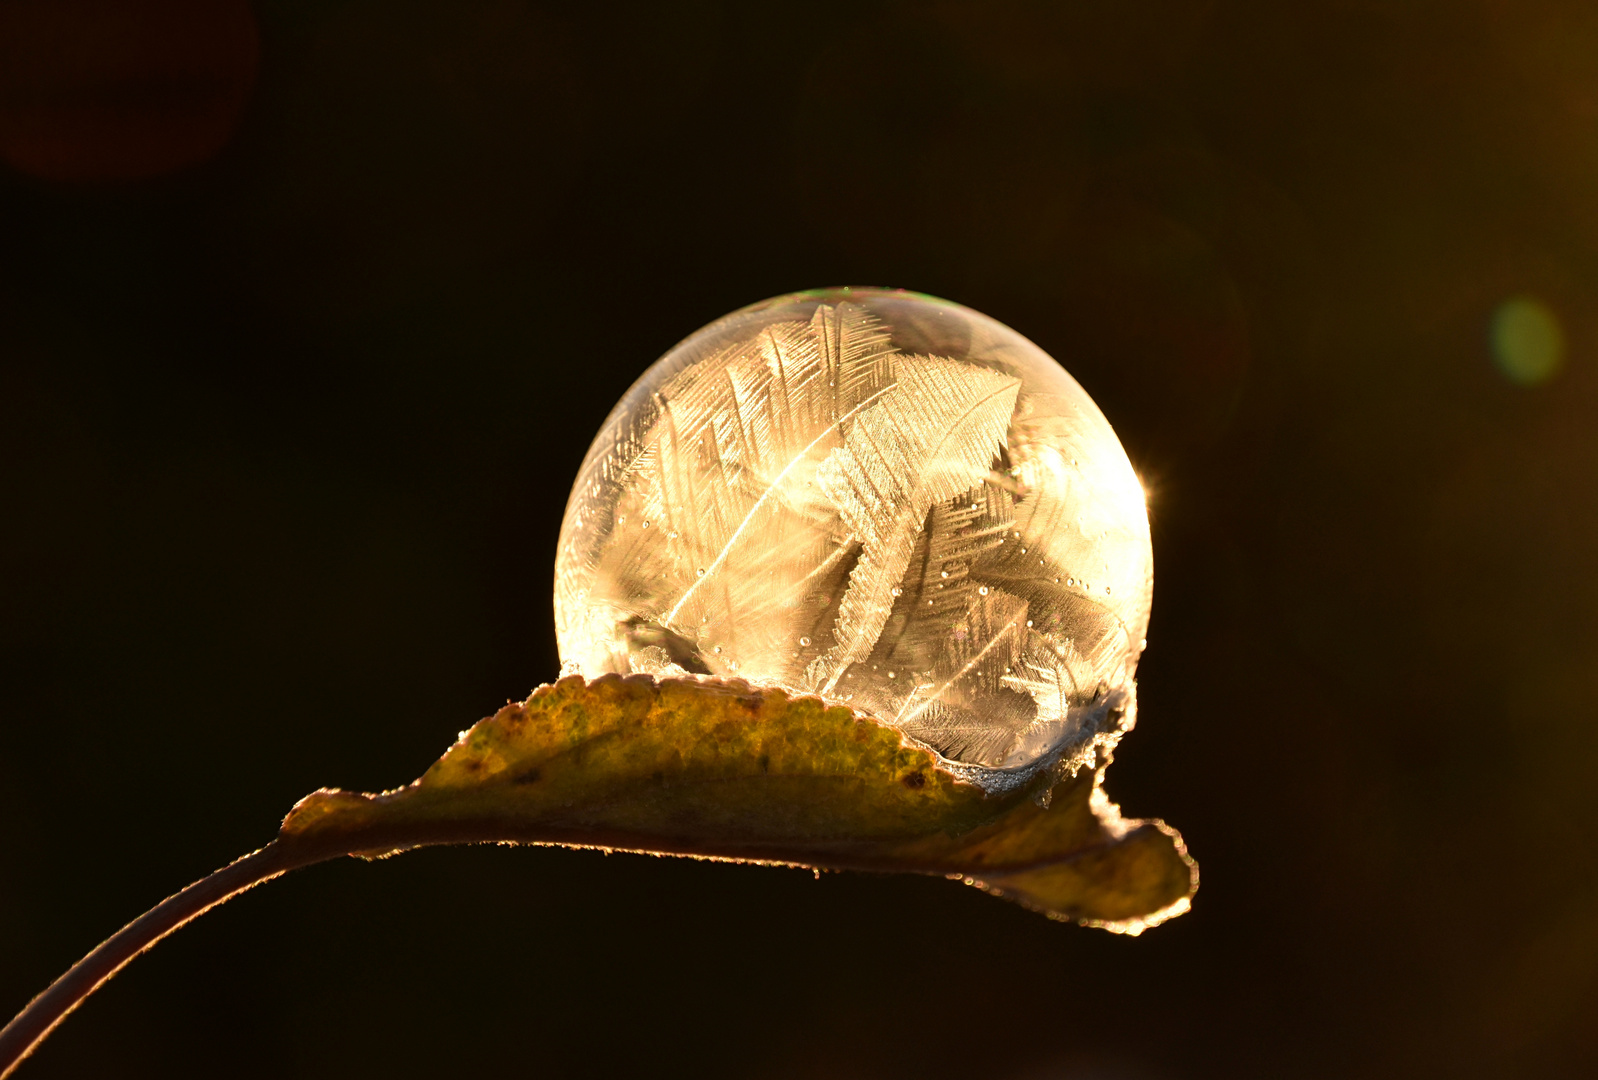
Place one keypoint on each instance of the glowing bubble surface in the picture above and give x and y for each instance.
(880, 498)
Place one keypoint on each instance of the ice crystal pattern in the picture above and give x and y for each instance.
(878, 498)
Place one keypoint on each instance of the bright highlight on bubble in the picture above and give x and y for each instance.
(1528, 342)
(879, 498)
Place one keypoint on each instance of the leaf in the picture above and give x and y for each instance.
(716, 769)
(711, 769)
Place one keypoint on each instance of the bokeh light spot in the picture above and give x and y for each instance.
(104, 91)
(1528, 342)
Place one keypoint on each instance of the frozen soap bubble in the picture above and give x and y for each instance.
(880, 498)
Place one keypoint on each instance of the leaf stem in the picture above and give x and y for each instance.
(29, 1028)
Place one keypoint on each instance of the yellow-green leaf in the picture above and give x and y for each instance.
(717, 769)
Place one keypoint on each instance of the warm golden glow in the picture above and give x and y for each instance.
(879, 498)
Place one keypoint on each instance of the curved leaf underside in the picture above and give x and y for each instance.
(717, 769)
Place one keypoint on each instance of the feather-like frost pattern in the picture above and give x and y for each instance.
(928, 439)
(967, 710)
(1047, 563)
(934, 594)
(722, 528)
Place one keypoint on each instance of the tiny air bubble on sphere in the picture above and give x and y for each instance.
(822, 459)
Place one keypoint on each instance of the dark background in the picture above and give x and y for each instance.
(307, 317)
